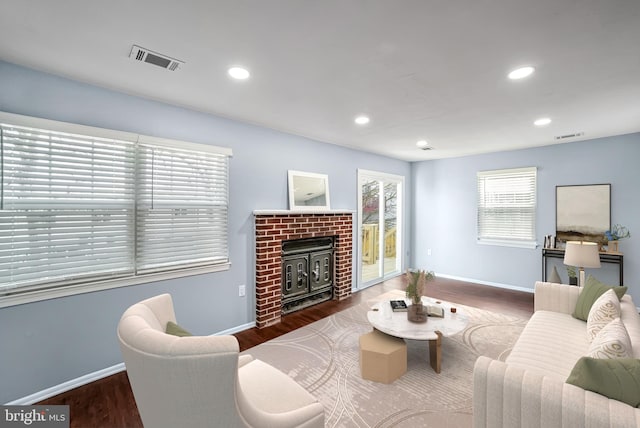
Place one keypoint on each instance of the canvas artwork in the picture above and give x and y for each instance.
(583, 212)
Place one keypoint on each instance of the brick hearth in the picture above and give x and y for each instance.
(273, 228)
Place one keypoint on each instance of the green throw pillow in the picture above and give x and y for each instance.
(176, 330)
(590, 292)
(617, 378)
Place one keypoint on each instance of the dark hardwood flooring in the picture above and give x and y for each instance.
(109, 402)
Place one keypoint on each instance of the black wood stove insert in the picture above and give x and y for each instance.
(307, 272)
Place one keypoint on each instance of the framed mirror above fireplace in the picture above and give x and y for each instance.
(308, 191)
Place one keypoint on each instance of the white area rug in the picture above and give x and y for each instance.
(324, 358)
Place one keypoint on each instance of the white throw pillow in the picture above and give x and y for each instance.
(612, 342)
(604, 310)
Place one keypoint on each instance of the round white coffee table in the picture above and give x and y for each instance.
(382, 318)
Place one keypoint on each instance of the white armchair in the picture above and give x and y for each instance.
(201, 381)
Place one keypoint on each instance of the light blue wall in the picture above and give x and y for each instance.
(444, 210)
(46, 343)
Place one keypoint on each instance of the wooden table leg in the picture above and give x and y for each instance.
(435, 352)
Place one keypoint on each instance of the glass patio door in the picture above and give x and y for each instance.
(380, 225)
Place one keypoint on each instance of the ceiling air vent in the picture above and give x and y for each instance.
(574, 135)
(145, 55)
(426, 148)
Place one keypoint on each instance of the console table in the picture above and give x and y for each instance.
(554, 253)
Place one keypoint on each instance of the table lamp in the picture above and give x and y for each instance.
(582, 255)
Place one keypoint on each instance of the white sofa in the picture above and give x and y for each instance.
(529, 389)
(201, 381)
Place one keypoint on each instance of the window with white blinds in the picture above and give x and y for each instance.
(79, 209)
(181, 207)
(507, 207)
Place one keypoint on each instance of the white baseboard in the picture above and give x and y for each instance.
(97, 375)
(66, 386)
(489, 283)
(236, 329)
(494, 284)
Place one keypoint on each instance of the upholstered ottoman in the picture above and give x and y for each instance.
(383, 358)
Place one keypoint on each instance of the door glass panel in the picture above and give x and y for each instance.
(390, 228)
(371, 263)
(380, 214)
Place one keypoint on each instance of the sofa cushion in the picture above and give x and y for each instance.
(590, 292)
(611, 342)
(550, 344)
(254, 379)
(176, 330)
(614, 378)
(605, 309)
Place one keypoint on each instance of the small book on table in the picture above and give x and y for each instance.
(435, 311)
(398, 305)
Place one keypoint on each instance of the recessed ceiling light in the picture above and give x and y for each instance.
(422, 144)
(543, 121)
(362, 120)
(239, 73)
(521, 73)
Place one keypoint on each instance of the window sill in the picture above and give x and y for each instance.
(504, 243)
(70, 290)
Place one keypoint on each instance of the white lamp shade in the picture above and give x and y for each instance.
(582, 254)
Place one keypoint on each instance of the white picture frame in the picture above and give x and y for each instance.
(308, 191)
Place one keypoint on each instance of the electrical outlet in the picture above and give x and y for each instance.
(428, 251)
(241, 290)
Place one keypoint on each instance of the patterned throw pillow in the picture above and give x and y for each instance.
(612, 342)
(604, 310)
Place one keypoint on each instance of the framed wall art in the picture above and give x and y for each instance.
(583, 212)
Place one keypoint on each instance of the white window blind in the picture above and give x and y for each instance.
(67, 206)
(182, 208)
(76, 209)
(507, 206)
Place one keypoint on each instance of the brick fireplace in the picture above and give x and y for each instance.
(274, 227)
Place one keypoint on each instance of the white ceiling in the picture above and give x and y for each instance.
(421, 69)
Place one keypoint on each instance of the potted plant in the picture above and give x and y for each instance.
(416, 283)
(573, 276)
(616, 233)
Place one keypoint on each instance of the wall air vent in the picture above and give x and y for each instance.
(574, 135)
(145, 55)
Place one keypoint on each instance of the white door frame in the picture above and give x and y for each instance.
(383, 177)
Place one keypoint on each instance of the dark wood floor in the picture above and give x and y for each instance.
(109, 402)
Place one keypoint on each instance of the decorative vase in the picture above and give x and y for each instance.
(555, 276)
(612, 247)
(573, 280)
(416, 313)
